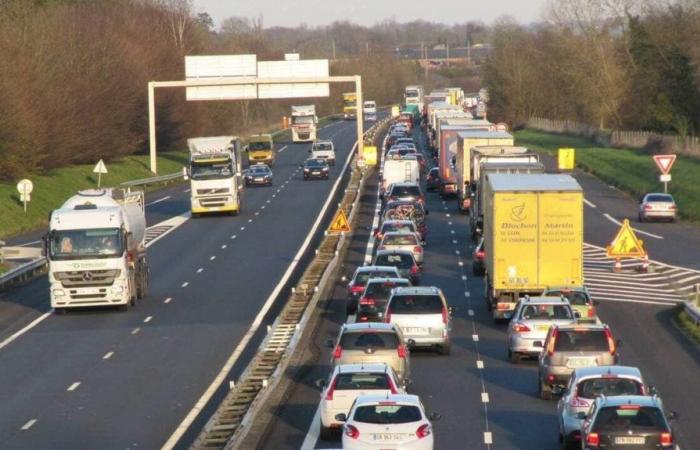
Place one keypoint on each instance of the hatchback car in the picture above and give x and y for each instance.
(404, 262)
(387, 421)
(585, 385)
(401, 240)
(479, 259)
(356, 285)
(316, 168)
(370, 307)
(579, 299)
(568, 347)
(365, 343)
(404, 191)
(627, 422)
(259, 174)
(658, 206)
(423, 315)
(432, 180)
(531, 320)
(405, 226)
(346, 383)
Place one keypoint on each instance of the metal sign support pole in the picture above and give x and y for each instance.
(359, 115)
(152, 126)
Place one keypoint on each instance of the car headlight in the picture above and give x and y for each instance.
(325, 169)
(58, 293)
(306, 170)
(116, 290)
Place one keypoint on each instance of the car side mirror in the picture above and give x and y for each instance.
(329, 343)
(320, 383)
(434, 417)
(557, 390)
(185, 173)
(581, 415)
(452, 310)
(342, 417)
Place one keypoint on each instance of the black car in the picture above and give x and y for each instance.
(316, 168)
(259, 174)
(371, 305)
(432, 181)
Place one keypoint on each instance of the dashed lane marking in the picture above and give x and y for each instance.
(617, 222)
(589, 203)
(108, 355)
(167, 197)
(28, 425)
(73, 386)
(135, 330)
(147, 319)
(185, 284)
(200, 270)
(168, 300)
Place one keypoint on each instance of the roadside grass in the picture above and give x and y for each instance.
(689, 328)
(632, 171)
(52, 189)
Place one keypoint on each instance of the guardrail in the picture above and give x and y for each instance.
(232, 419)
(151, 180)
(23, 272)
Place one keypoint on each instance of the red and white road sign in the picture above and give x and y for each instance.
(664, 162)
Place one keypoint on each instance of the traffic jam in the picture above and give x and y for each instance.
(526, 242)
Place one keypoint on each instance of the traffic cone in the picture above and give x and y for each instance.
(644, 268)
(617, 268)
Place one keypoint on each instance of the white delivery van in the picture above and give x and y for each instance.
(399, 169)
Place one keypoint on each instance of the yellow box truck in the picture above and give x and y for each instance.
(465, 141)
(533, 237)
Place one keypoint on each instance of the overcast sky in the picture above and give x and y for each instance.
(368, 12)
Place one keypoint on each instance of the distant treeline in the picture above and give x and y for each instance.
(74, 79)
(612, 63)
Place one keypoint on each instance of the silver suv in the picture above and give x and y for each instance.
(401, 240)
(422, 314)
(568, 347)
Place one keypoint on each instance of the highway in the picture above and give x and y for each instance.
(111, 380)
(487, 402)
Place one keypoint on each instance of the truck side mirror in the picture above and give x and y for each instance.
(185, 173)
(45, 245)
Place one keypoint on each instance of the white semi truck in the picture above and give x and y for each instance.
(304, 122)
(215, 174)
(413, 95)
(97, 251)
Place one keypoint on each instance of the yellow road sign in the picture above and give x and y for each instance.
(395, 111)
(370, 155)
(565, 158)
(626, 244)
(339, 223)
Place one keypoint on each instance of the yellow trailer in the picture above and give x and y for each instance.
(533, 236)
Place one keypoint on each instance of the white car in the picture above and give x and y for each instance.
(323, 150)
(387, 421)
(346, 383)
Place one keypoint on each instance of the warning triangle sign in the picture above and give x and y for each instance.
(339, 223)
(626, 244)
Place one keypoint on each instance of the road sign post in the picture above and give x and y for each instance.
(665, 163)
(25, 188)
(626, 245)
(99, 169)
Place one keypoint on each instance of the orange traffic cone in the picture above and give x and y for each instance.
(617, 268)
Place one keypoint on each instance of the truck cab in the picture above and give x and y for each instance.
(261, 149)
(214, 173)
(369, 108)
(349, 105)
(304, 123)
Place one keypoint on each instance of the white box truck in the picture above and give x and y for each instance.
(96, 250)
(399, 169)
(369, 108)
(304, 123)
(215, 174)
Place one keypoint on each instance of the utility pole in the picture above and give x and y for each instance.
(333, 44)
(447, 52)
(469, 52)
(367, 48)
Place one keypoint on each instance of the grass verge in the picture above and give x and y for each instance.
(632, 171)
(688, 326)
(52, 189)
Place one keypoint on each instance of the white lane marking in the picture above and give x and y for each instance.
(268, 201)
(147, 319)
(456, 252)
(212, 257)
(452, 231)
(250, 220)
(615, 221)
(171, 223)
(488, 438)
(257, 213)
(200, 270)
(233, 236)
(448, 215)
(464, 277)
(19, 333)
(135, 330)
(484, 397)
(108, 355)
(243, 343)
(168, 300)
(282, 149)
(262, 207)
(479, 364)
(449, 223)
(223, 247)
(73, 386)
(454, 241)
(589, 203)
(28, 243)
(475, 337)
(167, 197)
(242, 228)
(314, 431)
(28, 425)
(185, 284)
(186, 190)
(460, 263)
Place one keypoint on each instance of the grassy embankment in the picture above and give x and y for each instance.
(632, 171)
(52, 189)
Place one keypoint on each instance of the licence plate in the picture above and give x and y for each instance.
(542, 327)
(387, 436)
(258, 179)
(638, 440)
(580, 362)
(89, 291)
(316, 173)
(415, 330)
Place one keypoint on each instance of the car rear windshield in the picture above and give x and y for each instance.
(581, 340)
(369, 339)
(405, 191)
(629, 417)
(659, 198)
(381, 291)
(362, 277)
(400, 261)
(400, 239)
(357, 381)
(323, 147)
(416, 304)
(574, 297)
(611, 386)
(546, 312)
(403, 227)
(387, 413)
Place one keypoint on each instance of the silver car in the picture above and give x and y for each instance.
(657, 206)
(585, 385)
(402, 240)
(531, 320)
(423, 315)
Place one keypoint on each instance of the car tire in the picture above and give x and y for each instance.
(445, 349)
(641, 218)
(350, 307)
(545, 391)
(325, 434)
(513, 357)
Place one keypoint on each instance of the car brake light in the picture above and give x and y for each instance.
(367, 301)
(444, 315)
(593, 439)
(337, 352)
(357, 289)
(418, 249)
(414, 269)
(480, 254)
(402, 351)
(591, 312)
(648, 207)
(352, 432)
(552, 342)
(331, 389)
(578, 402)
(611, 341)
(520, 328)
(423, 431)
(666, 439)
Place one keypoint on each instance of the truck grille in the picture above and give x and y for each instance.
(87, 278)
(210, 202)
(212, 191)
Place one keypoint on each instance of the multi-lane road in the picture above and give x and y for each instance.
(485, 401)
(118, 380)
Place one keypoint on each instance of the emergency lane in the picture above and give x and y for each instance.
(163, 352)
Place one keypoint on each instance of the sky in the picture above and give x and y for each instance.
(368, 12)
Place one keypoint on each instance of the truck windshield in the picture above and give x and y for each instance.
(303, 119)
(349, 102)
(257, 146)
(84, 244)
(411, 94)
(210, 171)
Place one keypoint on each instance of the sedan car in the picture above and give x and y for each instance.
(432, 181)
(387, 421)
(658, 206)
(316, 168)
(259, 174)
(579, 299)
(404, 262)
(401, 240)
